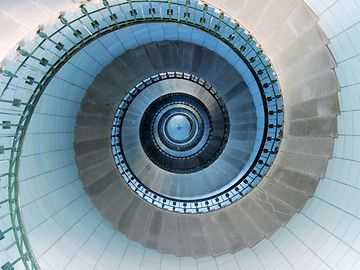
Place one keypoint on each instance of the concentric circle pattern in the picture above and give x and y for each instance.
(177, 131)
(178, 126)
(182, 129)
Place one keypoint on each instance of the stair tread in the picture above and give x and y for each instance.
(140, 224)
(94, 172)
(305, 44)
(167, 239)
(265, 223)
(289, 29)
(312, 165)
(88, 133)
(314, 127)
(318, 86)
(295, 180)
(212, 230)
(293, 198)
(309, 66)
(87, 147)
(322, 107)
(314, 146)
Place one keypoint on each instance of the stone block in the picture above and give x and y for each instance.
(294, 180)
(86, 147)
(314, 146)
(315, 127)
(213, 232)
(323, 107)
(311, 165)
(293, 198)
(265, 223)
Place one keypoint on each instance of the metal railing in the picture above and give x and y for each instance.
(31, 72)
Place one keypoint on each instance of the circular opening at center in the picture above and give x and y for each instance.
(178, 128)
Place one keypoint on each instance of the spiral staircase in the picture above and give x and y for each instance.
(179, 135)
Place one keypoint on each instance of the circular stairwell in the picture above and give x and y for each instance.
(304, 68)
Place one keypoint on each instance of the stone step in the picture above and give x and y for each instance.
(230, 230)
(245, 124)
(274, 208)
(314, 146)
(110, 199)
(322, 107)
(241, 134)
(233, 84)
(101, 88)
(260, 217)
(212, 67)
(293, 198)
(318, 86)
(187, 51)
(112, 74)
(151, 176)
(309, 66)
(314, 127)
(254, 11)
(160, 57)
(142, 58)
(312, 165)
(87, 147)
(121, 71)
(93, 188)
(92, 159)
(306, 76)
(108, 93)
(93, 108)
(154, 228)
(307, 43)
(212, 229)
(127, 79)
(116, 204)
(236, 159)
(135, 64)
(294, 180)
(140, 224)
(275, 39)
(91, 174)
(239, 146)
(108, 98)
(93, 120)
(274, 13)
(89, 133)
(226, 169)
(232, 92)
(244, 105)
(182, 244)
(193, 231)
(247, 231)
(167, 235)
(225, 76)
(128, 212)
